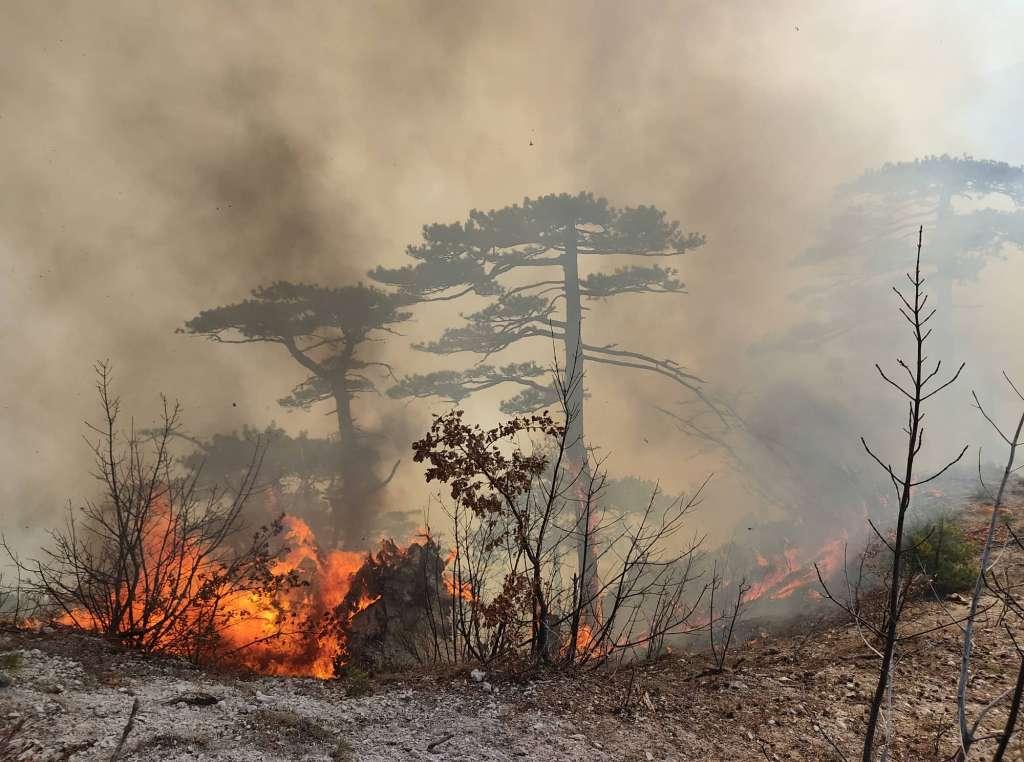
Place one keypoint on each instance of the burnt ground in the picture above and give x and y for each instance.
(795, 691)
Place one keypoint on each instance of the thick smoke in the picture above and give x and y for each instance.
(159, 159)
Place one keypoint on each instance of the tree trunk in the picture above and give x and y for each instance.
(346, 508)
(578, 465)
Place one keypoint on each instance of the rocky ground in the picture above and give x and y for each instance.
(795, 694)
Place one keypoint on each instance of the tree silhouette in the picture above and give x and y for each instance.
(480, 255)
(526, 260)
(295, 474)
(323, 329)
(953, 196)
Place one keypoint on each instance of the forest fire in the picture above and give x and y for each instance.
(299, 628)
(293, 634)
(453, 582)
(793, 570)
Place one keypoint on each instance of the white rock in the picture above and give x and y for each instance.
(478, 675)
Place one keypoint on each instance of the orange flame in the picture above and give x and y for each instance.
(456, 589)
(272, 635)
(587, 646)
(788, 573)
(303, 649)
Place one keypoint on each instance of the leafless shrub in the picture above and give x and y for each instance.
(1010, 592)
(526, 517)
(722, 623)
(19, 603)
(154, 564)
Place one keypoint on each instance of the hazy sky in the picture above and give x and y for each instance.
(158, 158)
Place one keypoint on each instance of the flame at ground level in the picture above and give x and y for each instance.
(795, 569)
(291, 634)
(287, 630)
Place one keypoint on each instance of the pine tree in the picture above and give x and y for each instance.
(525, 259)
(954, 197)
(323, 329)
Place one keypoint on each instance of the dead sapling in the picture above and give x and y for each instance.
(722, 625)
(920, 386)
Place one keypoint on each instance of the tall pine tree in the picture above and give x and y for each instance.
(526, 259)
(973, 208)
(323, 329)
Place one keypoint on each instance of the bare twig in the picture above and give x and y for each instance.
(126, 732)
(443, 739)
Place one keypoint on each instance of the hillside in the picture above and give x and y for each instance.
(70, 696)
